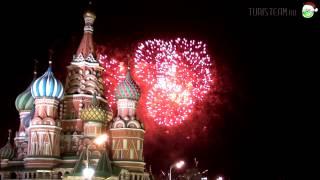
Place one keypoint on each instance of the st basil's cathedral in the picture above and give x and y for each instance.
(60, 123)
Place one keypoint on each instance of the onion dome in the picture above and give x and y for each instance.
(24, 101)
(47, 86)
(7, 151)
(95, 112)
(128, 89)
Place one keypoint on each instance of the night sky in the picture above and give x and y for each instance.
(258, 130)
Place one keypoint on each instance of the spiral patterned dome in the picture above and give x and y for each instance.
(94, 112)
(24, 101)
(128, 89)
(7, 151)
(47, 86)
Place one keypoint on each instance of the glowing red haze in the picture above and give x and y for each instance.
(180, 91)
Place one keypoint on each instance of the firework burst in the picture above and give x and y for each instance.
(177, 73)
(114, 73)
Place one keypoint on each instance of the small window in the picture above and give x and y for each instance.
(125, 144)
(138, 145)
(113, 143)
(131, 154)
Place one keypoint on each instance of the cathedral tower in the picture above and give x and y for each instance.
(95, 119)
(25, 105)
(84, 79)
(44, 130)
(127, 131)
(60, 125)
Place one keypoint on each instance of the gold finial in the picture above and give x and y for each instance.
(9, 136)
(35, 68)
(127, 59)
(89, 12)
(50, 56)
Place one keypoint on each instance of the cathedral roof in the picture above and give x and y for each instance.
(47, 86)
(77, 170)
(7, 151)
(104, 168)
(128, 89)
(95, 112)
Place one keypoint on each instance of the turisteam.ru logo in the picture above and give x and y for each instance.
(272, 12)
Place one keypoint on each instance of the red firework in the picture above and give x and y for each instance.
(114, 73)
(178, 73)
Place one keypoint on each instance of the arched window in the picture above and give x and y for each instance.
(59, 175)
(13, 175)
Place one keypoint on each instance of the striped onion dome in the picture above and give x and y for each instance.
(128, 89)
(94, 112)
(24, 101)
(47, 86)
(7, 151)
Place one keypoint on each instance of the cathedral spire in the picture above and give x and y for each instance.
(86, 50)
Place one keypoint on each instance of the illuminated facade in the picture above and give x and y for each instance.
(58, 124)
